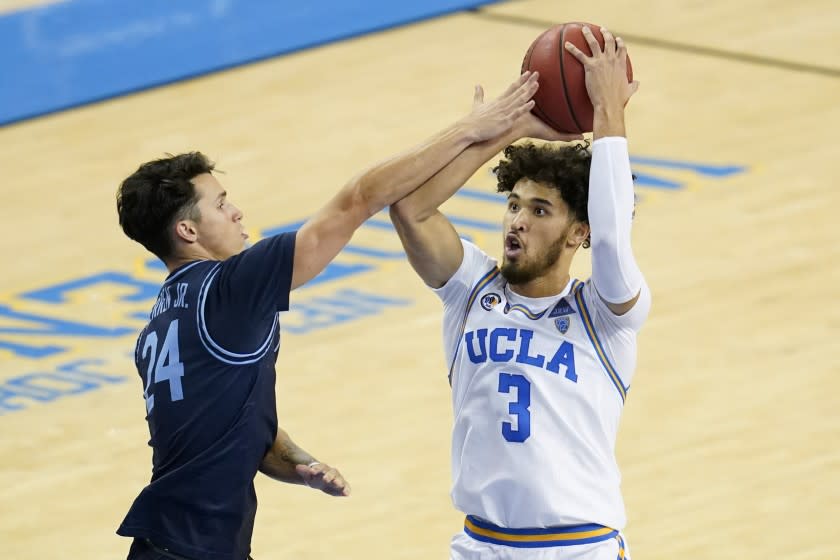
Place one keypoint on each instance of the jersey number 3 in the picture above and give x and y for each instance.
(164, 365)
(518, 408)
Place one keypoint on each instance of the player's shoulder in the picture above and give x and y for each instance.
(475, 260)
(270, 257)
(476, 267)
(591, 302)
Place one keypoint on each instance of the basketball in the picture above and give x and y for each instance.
(562, 101)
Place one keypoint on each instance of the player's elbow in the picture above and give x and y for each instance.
(601, 242)
(409, 210)
(401, 212)
(361, 198)
(375, 190)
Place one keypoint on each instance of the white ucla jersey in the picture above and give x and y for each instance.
(538, 386)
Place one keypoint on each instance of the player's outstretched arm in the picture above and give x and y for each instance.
(615, 274)
(287, 462)
(431, 243)
(321, 238)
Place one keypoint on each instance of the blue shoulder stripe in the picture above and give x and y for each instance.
(596, 343)
(480, 285)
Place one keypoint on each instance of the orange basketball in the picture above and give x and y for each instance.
(562, 100)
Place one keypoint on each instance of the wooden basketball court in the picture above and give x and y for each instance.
(729, 440)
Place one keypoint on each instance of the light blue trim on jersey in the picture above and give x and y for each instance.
(180, 272)
(480, 285)
(137, 345)
(215, 349)
(589, 326)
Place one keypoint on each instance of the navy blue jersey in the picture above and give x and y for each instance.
(206, 360)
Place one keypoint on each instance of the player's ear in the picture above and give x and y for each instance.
(186, 231)
(578, 233)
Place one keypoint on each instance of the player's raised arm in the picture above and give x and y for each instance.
(615, 274)
(431, 243)
(322, 237)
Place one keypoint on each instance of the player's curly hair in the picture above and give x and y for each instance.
(160, 192)
(564, 168)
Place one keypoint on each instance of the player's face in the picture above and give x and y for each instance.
(536, 229)
(220, 230)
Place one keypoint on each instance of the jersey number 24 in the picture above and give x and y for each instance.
(164, 365)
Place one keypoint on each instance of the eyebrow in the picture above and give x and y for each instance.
(542, 201)
(221, 195)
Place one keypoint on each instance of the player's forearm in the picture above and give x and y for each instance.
(614, 270)
(420, 204)
(280, 461)
(396, 177)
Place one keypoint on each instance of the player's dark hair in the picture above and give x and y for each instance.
(564, 168)
(158, 194)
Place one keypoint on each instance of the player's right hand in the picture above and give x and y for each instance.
(325, 478)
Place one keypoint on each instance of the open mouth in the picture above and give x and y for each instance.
(513, 246)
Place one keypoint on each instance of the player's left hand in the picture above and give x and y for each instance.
(526, 124)
(325, 478)
(489, 120)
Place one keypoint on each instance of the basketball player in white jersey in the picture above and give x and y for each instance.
(540, 363)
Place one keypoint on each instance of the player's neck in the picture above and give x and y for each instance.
(177, 261)
(549, 284)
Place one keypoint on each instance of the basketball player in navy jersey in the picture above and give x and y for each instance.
(207, 356)
(539, 362)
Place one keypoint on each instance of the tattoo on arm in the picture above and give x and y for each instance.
(280, 461)
(289, 452)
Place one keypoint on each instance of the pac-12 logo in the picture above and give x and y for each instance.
(563, 323)
(491, 300)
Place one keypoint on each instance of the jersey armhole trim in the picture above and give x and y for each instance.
(215, 349)
(480, 285)
(137, 345)
(589, 326)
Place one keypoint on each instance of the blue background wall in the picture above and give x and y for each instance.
(71, 53)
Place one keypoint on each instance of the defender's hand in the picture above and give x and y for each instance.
(531, 126)
(325, 478)
(528, 125)
(493, 119)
